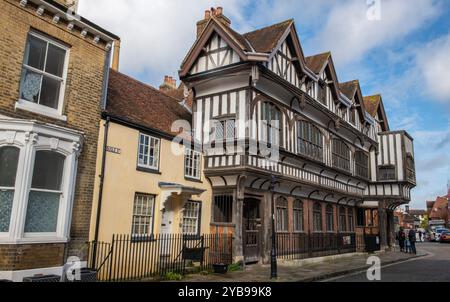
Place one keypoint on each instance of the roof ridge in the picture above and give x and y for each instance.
(320, 54)
(291, 20)
(145, 84)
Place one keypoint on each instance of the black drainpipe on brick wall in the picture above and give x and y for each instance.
(100, 192)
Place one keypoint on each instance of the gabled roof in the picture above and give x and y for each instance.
(374, 105)
(316, 63)
(266, 39)
(440, 209)
(143, 105)
(349, 89)
(352, 90)
(254, 46)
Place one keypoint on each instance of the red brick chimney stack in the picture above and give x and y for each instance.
(216, 13)
(168, 84)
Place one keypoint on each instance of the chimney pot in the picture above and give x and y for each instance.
(207, 14)
(219, 11)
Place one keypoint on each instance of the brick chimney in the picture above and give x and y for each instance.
(216, 13)
(168, 84)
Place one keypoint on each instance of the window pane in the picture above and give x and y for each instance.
(50, 92)
(35, 52)
(30, 86)
(42, 212)
(219, 130)
(55, 60)
(48, 171)
(6, 201)
(143, 215)
(9, 158)
(230, 129)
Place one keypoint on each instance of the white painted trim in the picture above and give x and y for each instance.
(29, 137)
(40, 109)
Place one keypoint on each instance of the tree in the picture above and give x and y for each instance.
(424, 224)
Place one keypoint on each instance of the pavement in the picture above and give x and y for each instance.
(435, 267)
(309, 272)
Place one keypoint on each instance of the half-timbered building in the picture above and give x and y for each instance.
(279, 127)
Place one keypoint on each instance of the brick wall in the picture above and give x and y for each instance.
(23, 257)
(82, 108)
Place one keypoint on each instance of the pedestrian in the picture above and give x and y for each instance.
(420, 236)
(412, 240)
(401, 239)
(407, 245)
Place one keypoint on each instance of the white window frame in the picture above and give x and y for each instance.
(31, 137)
(190, 163)
(5, 234)
(197, 217)
(156, 155)
(41, 109)
(150, 215)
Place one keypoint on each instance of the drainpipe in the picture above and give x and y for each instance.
(100, 193)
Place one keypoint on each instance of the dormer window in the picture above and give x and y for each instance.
(43, 76)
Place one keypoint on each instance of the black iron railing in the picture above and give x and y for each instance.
(129, 257)
(294, 246)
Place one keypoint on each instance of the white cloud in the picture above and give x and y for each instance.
(350, 35)
(433, 62)
(155, 34)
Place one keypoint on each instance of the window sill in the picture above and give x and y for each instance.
(193, 179)
(41, 110)
(37, 240)
(223, 224)
(148, 170)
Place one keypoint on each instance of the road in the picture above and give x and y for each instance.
(432, 268)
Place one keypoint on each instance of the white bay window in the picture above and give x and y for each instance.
(38, 164)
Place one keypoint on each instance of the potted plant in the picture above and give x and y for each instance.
(220, 268)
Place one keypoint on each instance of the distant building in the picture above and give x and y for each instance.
(409, 219)
(438, 211)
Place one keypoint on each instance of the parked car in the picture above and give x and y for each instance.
(436, 235)
(445, 237)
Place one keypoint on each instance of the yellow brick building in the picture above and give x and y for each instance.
(52, 70)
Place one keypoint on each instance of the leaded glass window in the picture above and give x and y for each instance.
(329, 214)
(298, 216)
(317, 217)
(282, 214)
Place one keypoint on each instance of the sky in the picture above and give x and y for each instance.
(398, 48)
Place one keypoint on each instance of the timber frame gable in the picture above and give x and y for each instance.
(329, 70)
(199, 48)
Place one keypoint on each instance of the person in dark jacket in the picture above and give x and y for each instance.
(401, 239)
(412, 240)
